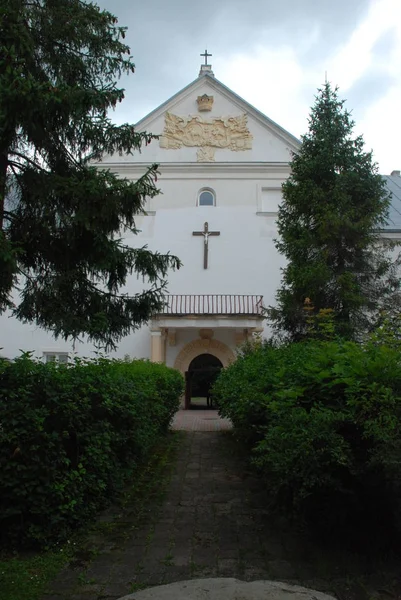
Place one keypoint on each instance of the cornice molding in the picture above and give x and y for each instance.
(190, 167)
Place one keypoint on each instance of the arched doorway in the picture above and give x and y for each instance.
(202, 372)
(203, 346)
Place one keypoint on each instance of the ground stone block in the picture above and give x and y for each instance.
(228, 589)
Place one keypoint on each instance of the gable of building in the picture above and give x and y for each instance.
(206, 122)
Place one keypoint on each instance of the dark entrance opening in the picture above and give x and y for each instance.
(199, 379)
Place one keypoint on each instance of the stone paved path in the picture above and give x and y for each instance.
(200, 420)
(213, 523)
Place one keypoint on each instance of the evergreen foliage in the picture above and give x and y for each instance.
(334, 205)
(61, 219)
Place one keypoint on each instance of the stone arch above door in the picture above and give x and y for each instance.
(193, 349)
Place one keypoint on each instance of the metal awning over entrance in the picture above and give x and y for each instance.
(211, 310)
(213, 304)
(203, 315)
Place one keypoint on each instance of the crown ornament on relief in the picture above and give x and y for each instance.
(205, 103)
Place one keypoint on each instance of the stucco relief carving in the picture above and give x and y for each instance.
(205, 154)
(220, 132)
(205, 102)
(193, 349)
(206, 334)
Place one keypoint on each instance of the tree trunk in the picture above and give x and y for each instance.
(3, 181)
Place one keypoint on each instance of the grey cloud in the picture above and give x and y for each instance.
(166, 38)
(385, 45)
(375, 83)
(368, 89)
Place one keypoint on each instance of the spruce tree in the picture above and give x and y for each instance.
(61, 219)
(334, 205)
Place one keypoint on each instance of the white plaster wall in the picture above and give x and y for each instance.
(16, 337)
(242, 260)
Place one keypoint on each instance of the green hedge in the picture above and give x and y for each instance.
(71, 435)
(324, 423)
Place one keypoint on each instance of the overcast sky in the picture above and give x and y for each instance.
(273, 53)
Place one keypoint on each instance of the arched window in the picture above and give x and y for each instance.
(206, 198)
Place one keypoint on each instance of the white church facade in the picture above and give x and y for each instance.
(222, 164)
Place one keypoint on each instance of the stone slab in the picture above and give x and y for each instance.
(227, 589)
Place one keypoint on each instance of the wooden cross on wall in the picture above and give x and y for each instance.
(206, 233)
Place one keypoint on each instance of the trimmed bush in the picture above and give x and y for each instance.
(71, 436)
(324, 421)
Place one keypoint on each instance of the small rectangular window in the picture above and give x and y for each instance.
(270, 199)
(60, 357)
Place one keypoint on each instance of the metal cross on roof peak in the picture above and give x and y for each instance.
(205, 54)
